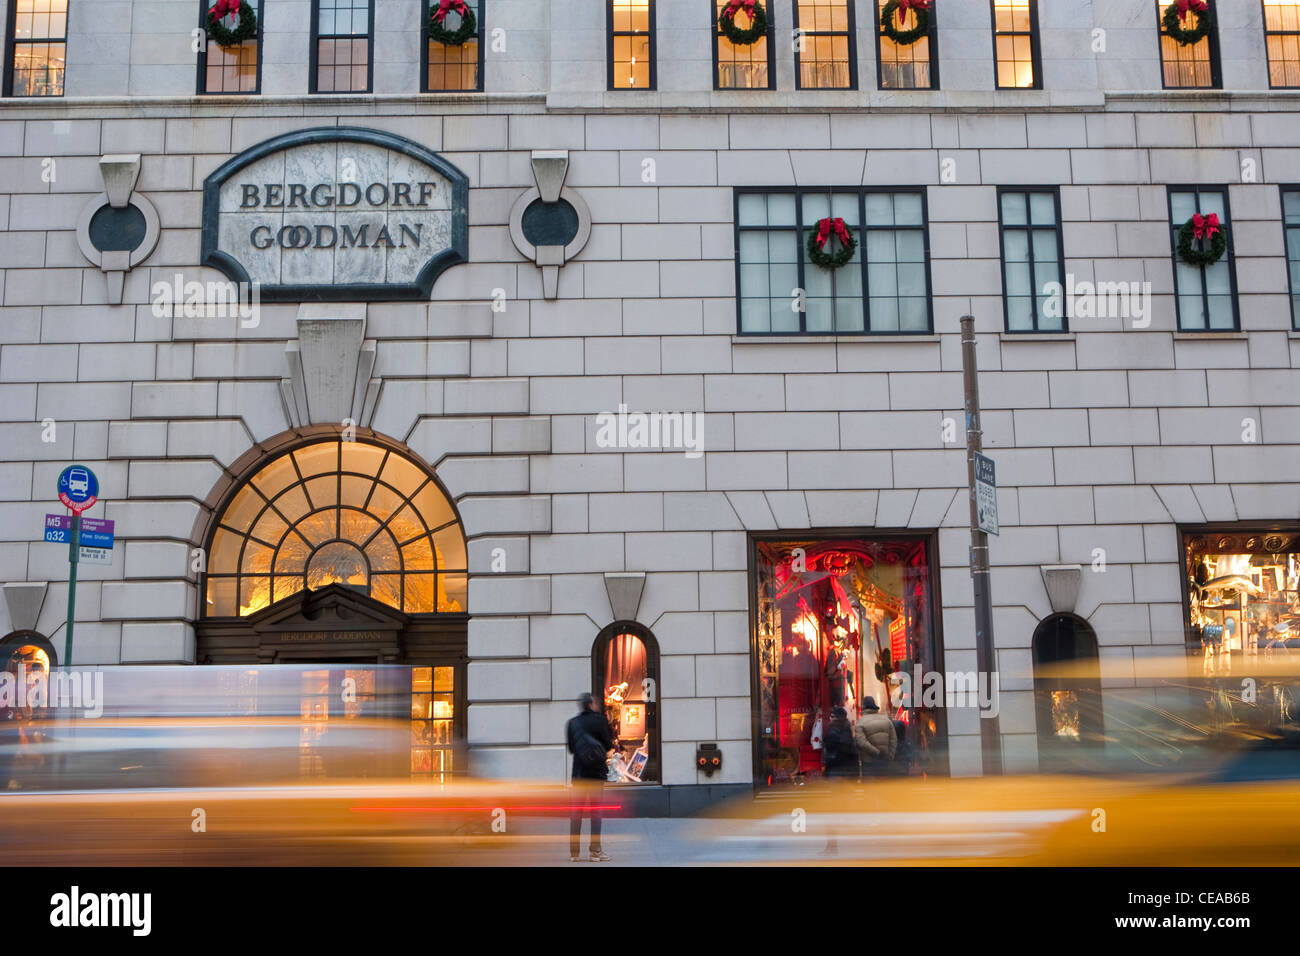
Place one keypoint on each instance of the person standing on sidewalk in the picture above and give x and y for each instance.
(876, 740)
(590, 741)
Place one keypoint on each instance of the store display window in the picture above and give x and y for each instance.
(1243, 597)
(1067, 690)
(838, 620)
(625, 671)
(28, 657)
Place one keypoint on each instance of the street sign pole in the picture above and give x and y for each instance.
(990, 732)
(78, 490)
(74, 554)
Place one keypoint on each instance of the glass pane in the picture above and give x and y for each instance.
(1181, 207)
(1020, 313)
(318, 459)
(1042, 207)
(781, 209)
(453, 590)
(880, 209)
(907, 209)
(752, 210)
(1013, 209)
(1045, 245)
(382, 553)
(449, 545)
(1017, 279)
(755, 315)
(1015, 245)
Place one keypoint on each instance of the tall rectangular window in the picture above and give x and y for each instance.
(1031, 259)
(882, 288)
(38, 40)
(823, 52)
(236, 70)
(1282, 39)
(1206, 293)
(740, 66)
(1188, 65)
(631, 53)
(341, 61)
(1291, 228)
(906, 66)
(453, 68)
(1015, 45)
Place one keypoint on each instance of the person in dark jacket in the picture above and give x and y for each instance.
(902, 764)
(588, 775)
(839, 752)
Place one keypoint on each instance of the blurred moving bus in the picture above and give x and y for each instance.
(177, 726)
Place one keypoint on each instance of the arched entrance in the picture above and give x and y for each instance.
(350, 555)
(1067, 691)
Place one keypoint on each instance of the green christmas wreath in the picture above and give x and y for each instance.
(1212, 246)
(438, 31)
(245, 27)
(890, 21)
(757, 22)
(817, 239)
(1172, 21)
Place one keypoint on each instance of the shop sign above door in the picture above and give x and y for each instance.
(336, 213)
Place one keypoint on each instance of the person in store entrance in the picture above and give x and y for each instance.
(839, 753)
(590, 741)
(876, 740)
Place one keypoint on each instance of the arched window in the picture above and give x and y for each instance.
(625, 674)
(1067, 688)
(334, 512)
(27, 656)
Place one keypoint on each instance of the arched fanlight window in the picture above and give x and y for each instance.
(1067, 687)
(29, 648)
(335, 512)
(625, 675)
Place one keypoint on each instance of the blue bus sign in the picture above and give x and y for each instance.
(78, 488)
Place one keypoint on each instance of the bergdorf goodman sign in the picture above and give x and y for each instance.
(336, 213)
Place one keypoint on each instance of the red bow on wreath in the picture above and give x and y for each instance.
(735, 6)
(1184, 5)
(445, 5)
(224, 8)
(1204, 227)
(906, 5)
(824, 228)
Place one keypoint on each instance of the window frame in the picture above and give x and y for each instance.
(861, 192)
(1054, 753)
(11, 48)
(314, 65)
(1292, 288)
(1035, 47)
(274, 503)
(653, 79)
(1060, 258)
(427, 6)
(200, 83)
(932, 36)
(717, 63)
(1199, 188)
(851, 33)
(1275, 33)
(654, 670)
(1216, 72)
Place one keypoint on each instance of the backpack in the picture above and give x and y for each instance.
(589, 751)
